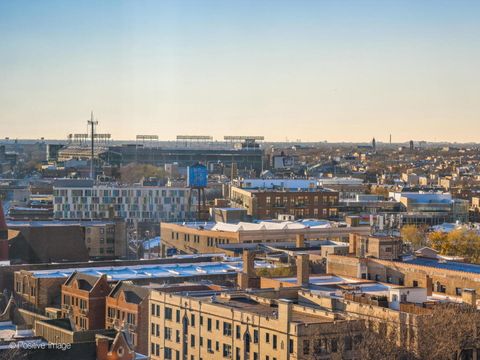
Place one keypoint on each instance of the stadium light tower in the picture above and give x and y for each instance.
(92, 123)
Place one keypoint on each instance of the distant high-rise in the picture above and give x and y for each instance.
(411, 145)
(374, 145)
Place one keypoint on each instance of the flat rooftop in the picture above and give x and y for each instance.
(246, 304)
(116, 273)
(262, 225)
(447, 265)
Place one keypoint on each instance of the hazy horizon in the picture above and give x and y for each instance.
(339, 71)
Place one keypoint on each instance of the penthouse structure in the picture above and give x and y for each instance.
(267, 199)
(87, 199)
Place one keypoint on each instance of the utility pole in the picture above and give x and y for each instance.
(92, 124)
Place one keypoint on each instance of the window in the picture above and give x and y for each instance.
(267, 337)
(177, 316)
(227, 329)
(290, 346)
(415, 283)
(348, 343)
(192, 320)
(227, 351)
(255, 336)
(209, 345)
(168, 313)
(192, 340)
(168, 333)
(237, 332)
(217, 324)
(306, 347)
(209, 324)
(167, 353)
(334, 345)
(274, 342)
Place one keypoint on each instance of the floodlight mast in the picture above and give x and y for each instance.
(92, 123)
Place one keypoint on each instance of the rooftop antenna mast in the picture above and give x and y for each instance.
(92, 123)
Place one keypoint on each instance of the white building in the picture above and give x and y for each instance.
(86, 199)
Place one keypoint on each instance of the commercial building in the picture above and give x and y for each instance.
(87, 199)
(431, 208)
(198, 237)
(267, 199)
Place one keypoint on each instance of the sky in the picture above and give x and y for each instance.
(309, 70)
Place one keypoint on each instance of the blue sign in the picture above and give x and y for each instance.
(197, 176)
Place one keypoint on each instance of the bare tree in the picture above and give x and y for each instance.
(449, 332)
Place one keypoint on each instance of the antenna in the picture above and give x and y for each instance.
(92, 123)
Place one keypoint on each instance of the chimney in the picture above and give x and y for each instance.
(300, 241)
(469, 296)
(284, 314)
(303, 270)
(3, 236)
(248, 278)
(103, 347)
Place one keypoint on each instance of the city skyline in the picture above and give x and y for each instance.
(325, 70)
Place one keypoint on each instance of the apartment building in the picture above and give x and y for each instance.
(87, 199)
(127, 308)
(239, 325)
(267, 199)
(83, 300)
(106, 239)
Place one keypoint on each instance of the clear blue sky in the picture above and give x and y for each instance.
(310, 70)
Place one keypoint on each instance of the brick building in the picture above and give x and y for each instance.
(437, 276)
(83, 300)
(127, 308)
(301, 198)
(211, 237)
(379, 246)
